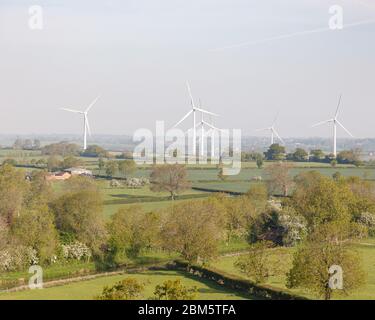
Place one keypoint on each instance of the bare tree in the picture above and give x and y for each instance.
(279, 179)
(169, 177)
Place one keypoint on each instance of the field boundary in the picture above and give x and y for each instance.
(237, 284)
(233, 193)
(64, 281)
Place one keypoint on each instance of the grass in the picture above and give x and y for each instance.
(282, 257)
(116, 198)
(58, 271)
(86, 290)
(78, 268)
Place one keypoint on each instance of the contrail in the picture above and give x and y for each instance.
(292, 35)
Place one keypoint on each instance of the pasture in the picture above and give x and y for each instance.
(88, 289)
(205, 182)
(282, 257)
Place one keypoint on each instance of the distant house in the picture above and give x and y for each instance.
(79, 171)
(58, 176)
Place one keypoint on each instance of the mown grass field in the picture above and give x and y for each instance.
(88, 289)
(283, 257)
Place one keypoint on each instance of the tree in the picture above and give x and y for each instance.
(279, 179)
(293, 227)
(127, 167)
(174, 290)
(320, 199)
(169, 177)
(313, 260)
(220, 173)
(70, 161)
(333, 163)
(13, 192)
(127, 289)
(80, 214)
(267, 227)
(317, 155)
(40, 190)
(194, 229)
(258, 195)
(111, 168)
(337, 176)
(40, 163)
(259, 160)
(256, 262)
(300, 155)
(239, 214)
(101, 164)
(349, 157)
(94, 151)
(275, 152)
(35, 228)
(80, 183)
(61, 148)
(10, 161)
(53, 163)
(131, 230)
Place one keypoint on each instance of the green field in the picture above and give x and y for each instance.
(88, 289)
(283, 258)
(206, 178)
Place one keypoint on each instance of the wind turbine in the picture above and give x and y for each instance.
(201, 124)
(86, 125)
(193, 111)
(335, 122)
(273, 132)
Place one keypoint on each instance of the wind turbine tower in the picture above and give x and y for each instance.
(193, 111)
(86, 125)
(335, 122)
(273, 132)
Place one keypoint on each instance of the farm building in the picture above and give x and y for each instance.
(79, 171)
(59, 176)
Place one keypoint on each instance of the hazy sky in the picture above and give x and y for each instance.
(139, 53)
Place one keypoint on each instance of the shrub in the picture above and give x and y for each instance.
(174, 290)
(137, 182)
(14, 258)
(367, 218)
(255, 263)
(127, 289)
(114, 183)
(294, 228)
(76, 251)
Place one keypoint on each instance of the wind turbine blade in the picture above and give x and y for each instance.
(191, 96)
(92, 103)
(346, 130)
(322, 122)
(211, 126)
(71, 110)
(87, 124)
(338, 107)
(277, 135)
(263, 129)
(207, 112)
(186, 115)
